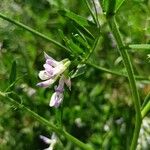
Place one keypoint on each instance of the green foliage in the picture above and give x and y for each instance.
(112, 6)
(99, 109)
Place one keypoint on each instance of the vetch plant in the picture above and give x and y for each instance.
(85, 37)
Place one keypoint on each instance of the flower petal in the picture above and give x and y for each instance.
(45, 139)
(49, 69)
(60, 87)
(59, 69)
(53, 99)
(43, 75)
(46, 83)
(50, 60)
(56, 99)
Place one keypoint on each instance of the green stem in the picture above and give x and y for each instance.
(47, 123)
(115, 72)
(146, 100)
(130, 72)
(32, 31)
(145, 110)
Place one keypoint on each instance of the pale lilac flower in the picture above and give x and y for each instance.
(52, 142)
(58, 96)
(52, 70)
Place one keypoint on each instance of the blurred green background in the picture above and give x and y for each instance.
(99, 108)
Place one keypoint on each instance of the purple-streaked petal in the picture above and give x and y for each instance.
(56, 99)
(60, 87)
(52, 63)
(49, 69)
(46, 83)
(50, 60)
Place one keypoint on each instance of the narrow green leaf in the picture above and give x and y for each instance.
(12, 76)
(83, 30)
(118, 4)
(78, 19)
(74, 48)
(82, 41)
(140, 46)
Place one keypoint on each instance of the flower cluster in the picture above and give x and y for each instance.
(52, 71)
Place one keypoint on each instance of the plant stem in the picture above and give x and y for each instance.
(127, 62)
(33, 31)
(115, 72)
(146, 100)
(145, 110)
(47, 123)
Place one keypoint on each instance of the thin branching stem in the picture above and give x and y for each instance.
(106, 70)
(127, 62)
(47, 123)
(33, 31)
